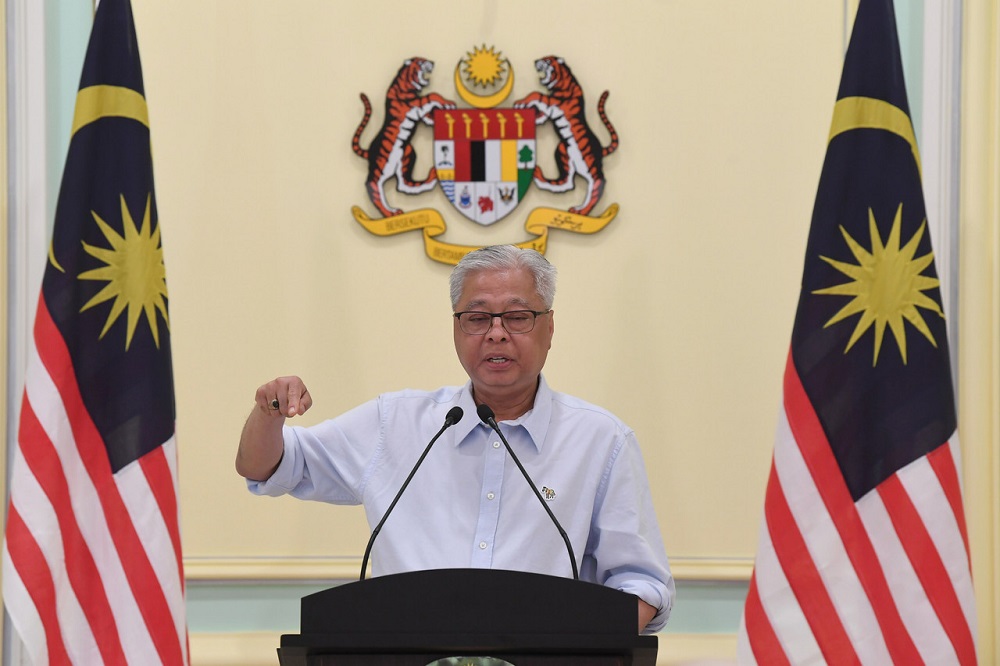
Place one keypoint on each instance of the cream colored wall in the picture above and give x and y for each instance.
(677, 316)
(979, 321)
(722, 109)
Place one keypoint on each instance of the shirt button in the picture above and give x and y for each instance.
(496, 445)
(482, 545)
(490, 495)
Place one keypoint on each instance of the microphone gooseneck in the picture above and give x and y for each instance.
(487, 416)
(454, 416)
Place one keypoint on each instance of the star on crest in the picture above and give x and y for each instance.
(484, 66)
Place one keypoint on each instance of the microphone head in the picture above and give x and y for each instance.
(454, 416)
(485, 413)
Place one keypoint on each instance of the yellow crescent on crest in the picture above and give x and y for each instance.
(483, 101)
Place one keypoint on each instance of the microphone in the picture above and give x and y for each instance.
(454, 416)
(487, 417)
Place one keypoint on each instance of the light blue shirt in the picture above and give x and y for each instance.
(469, 506)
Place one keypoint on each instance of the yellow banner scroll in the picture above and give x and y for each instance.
(539, 221)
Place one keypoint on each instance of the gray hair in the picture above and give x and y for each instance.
(505, 257)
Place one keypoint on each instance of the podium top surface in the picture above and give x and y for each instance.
(469, 601)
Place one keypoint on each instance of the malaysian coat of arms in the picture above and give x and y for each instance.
(485, 156)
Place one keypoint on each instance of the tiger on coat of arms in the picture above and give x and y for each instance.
(390, 154)
(579, 152)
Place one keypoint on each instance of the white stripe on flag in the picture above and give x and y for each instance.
(918, 617)
(142, 508)
(133, 635)
(40, 520)
(956, 455)
(925, 491)
(22, 612)
(826, 548)
(780, 605)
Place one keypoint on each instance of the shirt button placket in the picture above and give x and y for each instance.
(489, 505)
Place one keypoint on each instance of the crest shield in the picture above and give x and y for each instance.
(485, 159)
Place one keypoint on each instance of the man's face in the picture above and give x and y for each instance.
(504, 367)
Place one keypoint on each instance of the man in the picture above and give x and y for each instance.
(468, 506)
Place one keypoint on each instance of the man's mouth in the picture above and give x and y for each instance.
(497, 359)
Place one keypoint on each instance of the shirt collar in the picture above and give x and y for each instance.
(470, 419)
(535, 421)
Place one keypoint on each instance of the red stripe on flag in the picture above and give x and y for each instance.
(943, 464)
(161, 483)
(808, 434)
(929, 567)
(804, 579)
(27, 559)
(142, 579)
(42, 459)
(764, 642)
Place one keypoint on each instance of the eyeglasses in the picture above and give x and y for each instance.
(514, 321)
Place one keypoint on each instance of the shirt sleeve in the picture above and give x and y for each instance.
(328, 462)
(625, 541)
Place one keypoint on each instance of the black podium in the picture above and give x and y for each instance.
(414, 619)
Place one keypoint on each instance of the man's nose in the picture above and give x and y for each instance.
(496, 331)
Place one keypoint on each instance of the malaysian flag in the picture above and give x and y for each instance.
(92, 569)
(863, 549)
